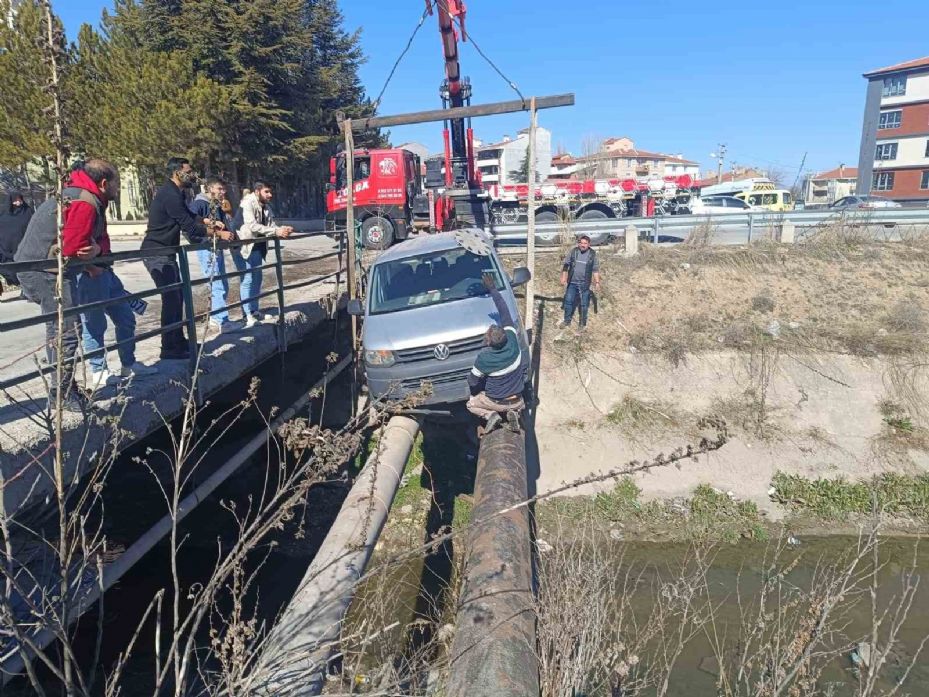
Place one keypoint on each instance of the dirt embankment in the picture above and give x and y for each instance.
(814, 354)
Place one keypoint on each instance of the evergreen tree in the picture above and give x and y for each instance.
(140, 105)
(521, 175)
(25, 122)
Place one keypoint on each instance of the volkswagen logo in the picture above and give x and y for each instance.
(440, 352)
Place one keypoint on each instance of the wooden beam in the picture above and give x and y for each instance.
(459, 112)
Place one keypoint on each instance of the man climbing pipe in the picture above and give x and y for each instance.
(498, 375)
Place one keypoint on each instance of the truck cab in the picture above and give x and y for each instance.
(389, 197)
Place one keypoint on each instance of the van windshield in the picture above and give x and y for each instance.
(429, 279)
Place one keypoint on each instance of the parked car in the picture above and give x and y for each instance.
(856, 202)
(720, 205)
(426, 313)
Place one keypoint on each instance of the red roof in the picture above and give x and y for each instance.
(679, 161)
(908, 65)
(625, 155)
(838, 173)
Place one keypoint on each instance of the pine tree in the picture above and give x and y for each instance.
(25, 123)
(521, 175)
(145, 104)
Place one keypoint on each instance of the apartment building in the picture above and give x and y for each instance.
(501, 163)
(619, 158)
(894, 156)
(828, 187)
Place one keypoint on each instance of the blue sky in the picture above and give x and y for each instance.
(771, 80)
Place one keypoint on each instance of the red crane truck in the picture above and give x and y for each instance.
(391, 197)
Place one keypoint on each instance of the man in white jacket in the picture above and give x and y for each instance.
(254, 221)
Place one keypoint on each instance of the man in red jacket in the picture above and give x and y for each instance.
(85, 226)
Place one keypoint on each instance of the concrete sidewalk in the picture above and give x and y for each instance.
(124, 413)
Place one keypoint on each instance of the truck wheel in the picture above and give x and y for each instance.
(596, 238)
(547, 239)
(377, 232)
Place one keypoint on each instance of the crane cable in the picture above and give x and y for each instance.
(483, 55)
(409, 43)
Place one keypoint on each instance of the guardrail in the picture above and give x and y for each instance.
(186, 286)
(749, 225)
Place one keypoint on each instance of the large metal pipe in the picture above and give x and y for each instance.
(494, 650)
(297, 651)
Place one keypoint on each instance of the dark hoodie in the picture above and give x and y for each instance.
(204, 207)
(12, 228)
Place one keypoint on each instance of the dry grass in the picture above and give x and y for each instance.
(835, 292)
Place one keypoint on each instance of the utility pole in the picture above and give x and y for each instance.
(530, 213)
(720, 155)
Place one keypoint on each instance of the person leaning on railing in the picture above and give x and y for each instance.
(254, 221)
(85, 226)
(39, 243)
(168, 217)
(213, 261)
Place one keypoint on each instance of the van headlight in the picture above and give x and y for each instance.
(381, 358)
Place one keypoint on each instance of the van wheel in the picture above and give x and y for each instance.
(596, 238)
(377, 232)
(547, 239)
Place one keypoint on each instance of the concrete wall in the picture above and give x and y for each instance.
(142, 409)
(872, 109)
(825, 420)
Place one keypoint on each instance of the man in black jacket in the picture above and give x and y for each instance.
(168, 217)
(13, 224)
(579, 272)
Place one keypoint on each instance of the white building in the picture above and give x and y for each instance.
(501, 163)
(829, 187)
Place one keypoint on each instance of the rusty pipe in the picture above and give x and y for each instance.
(494, 650)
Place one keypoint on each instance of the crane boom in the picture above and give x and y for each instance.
(455, 92)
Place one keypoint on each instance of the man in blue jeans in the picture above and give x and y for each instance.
(580, 271)
(213, 261)
(254, 221)
(84, 227)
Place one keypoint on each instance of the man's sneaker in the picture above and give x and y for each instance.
(512, 421)
(99, 379)
(252, 320)
(137, 370)
(227, 327)
(563, 325)
(492, 422)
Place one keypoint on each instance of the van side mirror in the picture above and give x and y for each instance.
(356, 308)
(521, 277)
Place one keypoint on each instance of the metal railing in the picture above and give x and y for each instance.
(186, 285)
(736, 226)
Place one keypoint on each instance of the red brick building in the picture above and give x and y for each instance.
(894, 156)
